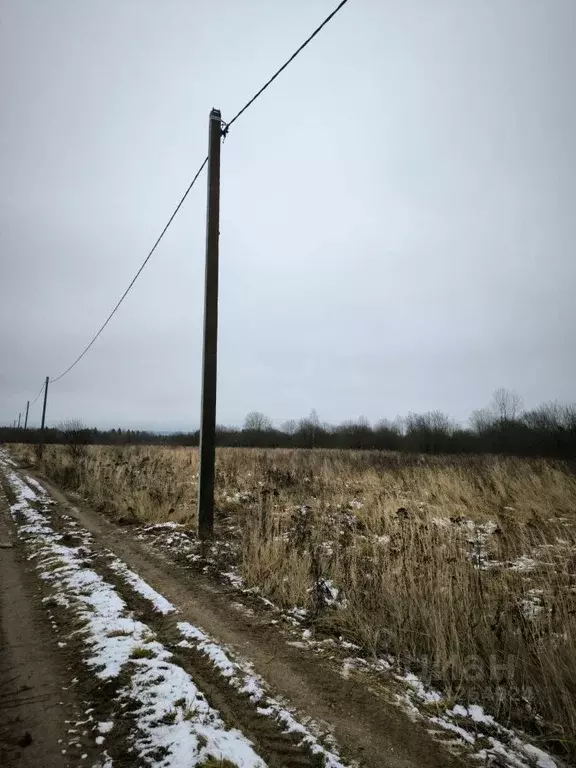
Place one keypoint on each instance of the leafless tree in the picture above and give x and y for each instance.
(548, 417)
(507, 404)
(569, 416)
(290, 427)
(310, 427)
(386, 425)
(552, 417)
(314, 418)
(482, 420)
(257, 422)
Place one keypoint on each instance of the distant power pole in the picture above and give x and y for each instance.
(19, 419)
(43, 417)
(206, 450)
(26, 417)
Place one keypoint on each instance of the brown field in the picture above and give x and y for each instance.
(462, 570)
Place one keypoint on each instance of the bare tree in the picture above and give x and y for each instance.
(432, 421)
(482, 420)
(290, 427)
(257, 422)
(569, 416)
(314, 418)
(310, 427)
(386, 425)
(429, 432)
(546, 417)
(506, 403)
(552, 417)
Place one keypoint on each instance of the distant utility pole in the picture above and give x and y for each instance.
(19, 419)
(206, 451)
(26, 417)
(43, 417)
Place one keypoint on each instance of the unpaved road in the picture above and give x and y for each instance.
(37, 702)
(366, 726)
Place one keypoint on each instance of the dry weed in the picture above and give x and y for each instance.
(462, 570)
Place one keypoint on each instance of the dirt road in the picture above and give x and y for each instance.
(38, 705)
(250, 673)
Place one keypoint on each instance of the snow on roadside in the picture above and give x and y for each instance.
(238, 673)
(36, 485)
(241, 676)
(470, 724)
(158, 601)
(464, 723)
(172, 714)
(170, 526)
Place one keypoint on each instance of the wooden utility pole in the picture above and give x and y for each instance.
(206, 451)
(26, 417)
(19, 419)
(43, 417)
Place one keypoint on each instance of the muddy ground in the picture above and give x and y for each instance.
(40, 704)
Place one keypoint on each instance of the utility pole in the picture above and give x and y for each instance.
(19, 419)
(207, 447)
(43, 417)
(26, 417)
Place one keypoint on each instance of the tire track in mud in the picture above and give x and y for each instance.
(40, 708)
(278, 748)
(160, 717)
(367, 724)
(65, 629)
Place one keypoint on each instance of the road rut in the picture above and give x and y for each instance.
(367, 727)
(38, 705)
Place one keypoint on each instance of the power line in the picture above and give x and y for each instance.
(283, 67)
(111, 315)
(226, 127)
(38, 395)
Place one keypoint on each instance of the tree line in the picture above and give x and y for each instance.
(501, 427)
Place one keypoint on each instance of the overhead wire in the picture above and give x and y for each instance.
(38, 395)
(126, 292)
(225, 128)
(283, 67)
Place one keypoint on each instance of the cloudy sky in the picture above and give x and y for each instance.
(398, 210)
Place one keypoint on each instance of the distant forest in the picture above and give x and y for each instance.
(502, 427)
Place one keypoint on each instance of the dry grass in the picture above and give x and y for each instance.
(463, 570)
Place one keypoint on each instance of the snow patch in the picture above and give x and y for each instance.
(141, 587)
(36, 485)
(241, 676)
(114, 641)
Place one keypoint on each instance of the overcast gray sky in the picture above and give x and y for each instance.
(398, 209)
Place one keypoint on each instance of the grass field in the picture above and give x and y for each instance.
(461, 570)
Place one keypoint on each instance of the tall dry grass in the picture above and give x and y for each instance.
(460, 569)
